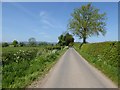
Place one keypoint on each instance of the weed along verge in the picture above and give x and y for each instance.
(22, 67)
(103, 56)
(47, 70)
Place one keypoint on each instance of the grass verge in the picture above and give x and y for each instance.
(22, 73)
(47, 69)
(103, 56)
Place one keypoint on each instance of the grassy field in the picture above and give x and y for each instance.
(14, 49)
(22, 65)
(102, 55)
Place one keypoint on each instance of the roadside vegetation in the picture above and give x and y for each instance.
(24, 62)
(102, 55)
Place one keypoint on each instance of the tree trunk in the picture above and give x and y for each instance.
(84, 40)
(84, 36)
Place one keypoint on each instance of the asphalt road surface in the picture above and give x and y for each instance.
(73, 71)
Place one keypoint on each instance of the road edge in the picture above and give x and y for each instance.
(106, 78)
(41, 80)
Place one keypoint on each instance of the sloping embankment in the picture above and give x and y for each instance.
(105, 56)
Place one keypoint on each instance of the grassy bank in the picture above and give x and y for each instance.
(22, 66)
(103, 56)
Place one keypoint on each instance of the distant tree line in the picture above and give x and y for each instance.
(31, 43)
(64, 40)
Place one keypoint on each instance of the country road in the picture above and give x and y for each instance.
(72, 71)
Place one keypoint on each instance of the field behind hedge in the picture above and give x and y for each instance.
(103, 55)
(23, 65)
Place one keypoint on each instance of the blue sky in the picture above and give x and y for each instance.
(46, 21)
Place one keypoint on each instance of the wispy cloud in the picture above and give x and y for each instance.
(44, 34)
(45, 19)
(23, 9)
(42, 13)
(49, 21)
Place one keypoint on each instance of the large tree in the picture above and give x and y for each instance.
(87, 21)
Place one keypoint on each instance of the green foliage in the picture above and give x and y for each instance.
(43, 44)
(32, 41)
(22, 65)
(15, 49)
(18, 56)
(21, 44)
(15, 43)
(103, 55)
(5, 44)
(68, 39)
(54, 47)
(87, 21)
(65, 40)
(61, 40)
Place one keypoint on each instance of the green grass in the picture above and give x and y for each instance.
(24, 72)
(103, 56)
(14, 49)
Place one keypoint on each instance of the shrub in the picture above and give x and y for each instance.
(5, 44)
(8, 57)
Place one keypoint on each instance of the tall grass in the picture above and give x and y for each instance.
(102, 55)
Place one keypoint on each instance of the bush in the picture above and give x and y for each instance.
(8, 57)
(5, 44)
(54, 47)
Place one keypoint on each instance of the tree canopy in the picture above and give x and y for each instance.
(5, 44)
(21, 44)
(15, 43)
(65, 39)
(87, 21)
